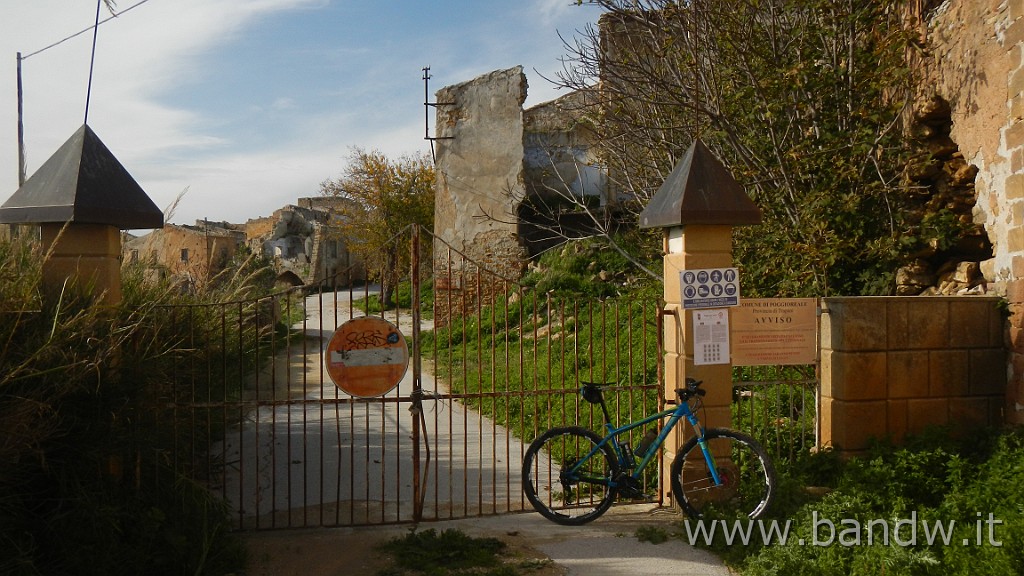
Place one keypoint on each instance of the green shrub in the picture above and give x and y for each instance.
(934, 478)
(93, 463)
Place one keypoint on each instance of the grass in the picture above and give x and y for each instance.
(401, 299)
(537, 348)
(452, 552)
(934, 478)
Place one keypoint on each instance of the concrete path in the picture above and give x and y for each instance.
(607, 546)
(320, 459)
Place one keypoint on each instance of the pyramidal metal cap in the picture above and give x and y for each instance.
(82, 183)
(700, 190)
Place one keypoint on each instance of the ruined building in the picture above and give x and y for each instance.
(304, 243)
(495, 163)
(190, 254)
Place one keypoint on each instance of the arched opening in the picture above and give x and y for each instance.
(289, 279)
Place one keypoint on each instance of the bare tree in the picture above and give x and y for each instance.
(802, 100)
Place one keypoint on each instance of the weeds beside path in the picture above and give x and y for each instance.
(535, 547)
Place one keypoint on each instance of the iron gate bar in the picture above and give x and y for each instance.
(271, 437)
(409, 399)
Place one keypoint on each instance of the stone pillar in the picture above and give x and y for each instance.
(82, 257)
(697, 207)
(82, 197)
(693, 247)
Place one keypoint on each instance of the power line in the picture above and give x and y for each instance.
(92, 58)
(84, 30)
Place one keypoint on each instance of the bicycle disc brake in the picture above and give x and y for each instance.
(567, 481)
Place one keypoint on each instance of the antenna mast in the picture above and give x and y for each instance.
(427, 105)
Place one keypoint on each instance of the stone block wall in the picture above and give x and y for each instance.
(1013, 137)
(893, 366)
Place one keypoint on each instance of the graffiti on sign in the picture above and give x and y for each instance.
(367, 357)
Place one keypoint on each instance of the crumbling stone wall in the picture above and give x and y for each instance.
(479, 164)
(192, 254)
(304, 243)
(943, 180)
(503, 175)
(976, 66)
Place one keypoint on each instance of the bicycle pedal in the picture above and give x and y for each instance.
(629, 487)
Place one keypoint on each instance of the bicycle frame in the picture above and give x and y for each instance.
(682, 410)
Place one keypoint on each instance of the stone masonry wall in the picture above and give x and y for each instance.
(976, 65)
(895, 365)
(479, 164)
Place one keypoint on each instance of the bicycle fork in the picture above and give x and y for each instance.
(709, 459)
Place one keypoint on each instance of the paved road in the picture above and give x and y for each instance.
(317, 461)
(322, 459)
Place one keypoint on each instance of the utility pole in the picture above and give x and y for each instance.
(21, 130)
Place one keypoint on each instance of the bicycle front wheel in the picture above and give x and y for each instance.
(567, 478)
(744, 469)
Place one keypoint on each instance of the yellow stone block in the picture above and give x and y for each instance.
(81, 239)
(85, 257)
(717, 417)
(92, 274)
(699, 238)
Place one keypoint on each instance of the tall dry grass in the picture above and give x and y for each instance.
(94, 464)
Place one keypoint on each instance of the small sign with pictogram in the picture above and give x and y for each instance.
(710, 288)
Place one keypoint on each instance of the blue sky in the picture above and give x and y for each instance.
(250, 104)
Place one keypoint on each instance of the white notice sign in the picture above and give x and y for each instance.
(711, 336)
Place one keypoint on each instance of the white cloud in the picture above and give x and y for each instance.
(552, 12)
(165, 102)
(283, 103)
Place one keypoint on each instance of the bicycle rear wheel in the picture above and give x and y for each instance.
(560, 494)
(746, 473)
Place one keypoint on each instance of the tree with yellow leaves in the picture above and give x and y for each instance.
(383, 198)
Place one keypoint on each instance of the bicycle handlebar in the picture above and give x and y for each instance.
(692, 389)
(591, 391)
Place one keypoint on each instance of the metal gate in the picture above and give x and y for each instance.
(492, 364)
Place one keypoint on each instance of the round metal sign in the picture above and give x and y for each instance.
(367, 357)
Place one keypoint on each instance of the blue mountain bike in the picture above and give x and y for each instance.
(572, 475)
